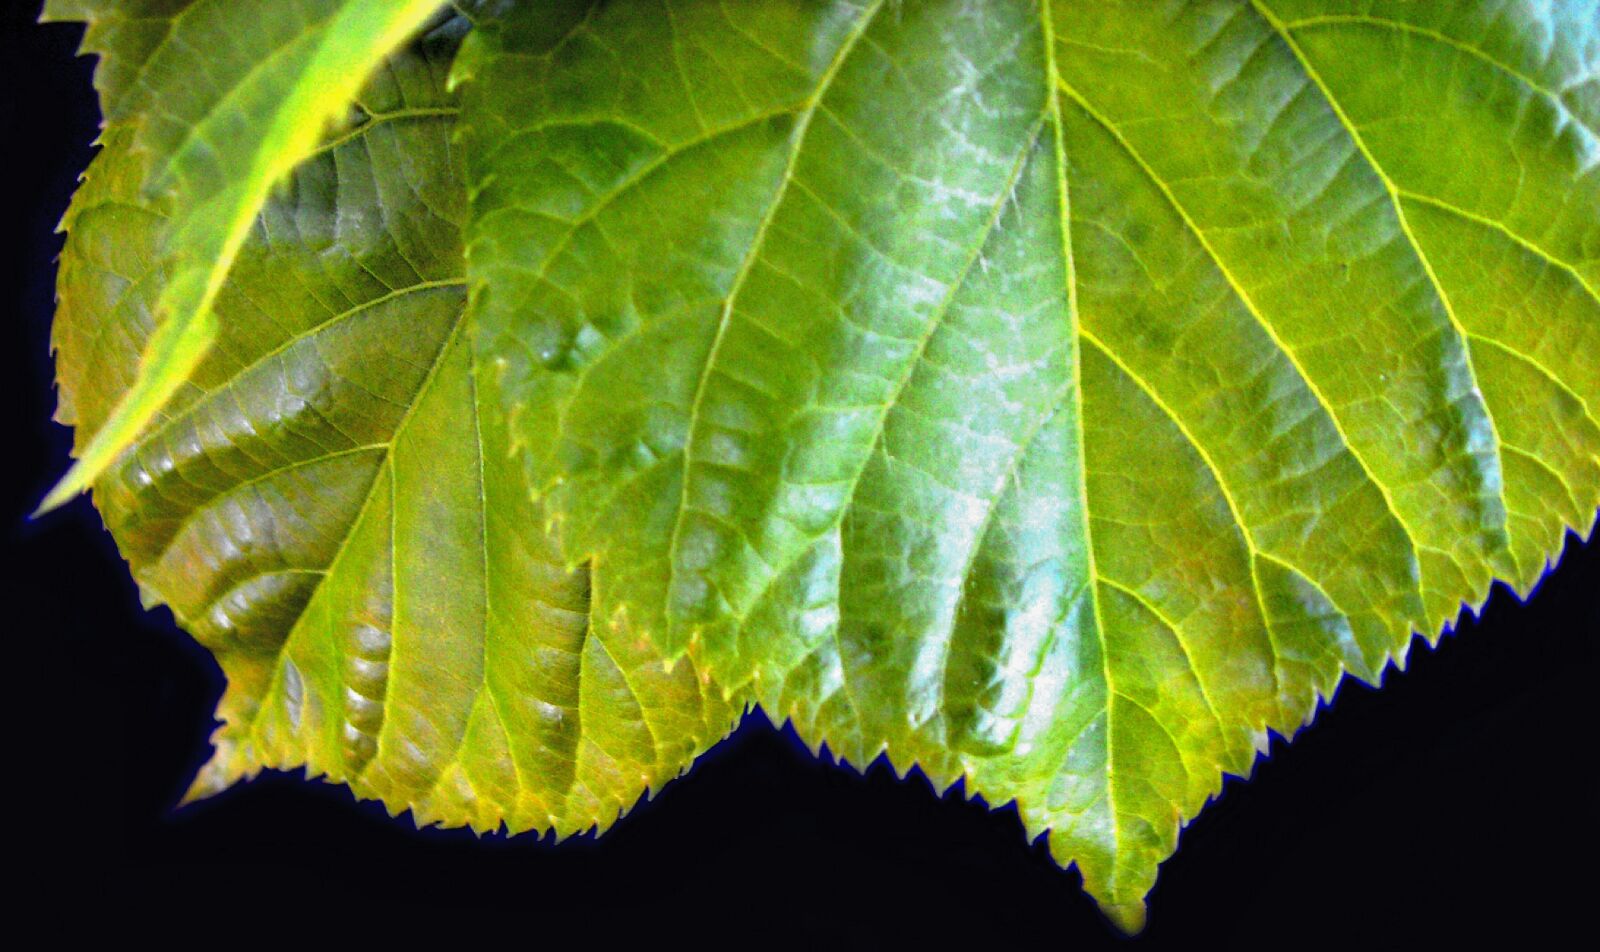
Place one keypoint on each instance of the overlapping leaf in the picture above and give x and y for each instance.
(219, 99)
(332, 511)
(1057, 395)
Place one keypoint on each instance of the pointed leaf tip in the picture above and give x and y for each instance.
(1128, 917)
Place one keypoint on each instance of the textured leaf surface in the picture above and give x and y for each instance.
(1055, 394)
(330, 509)
(219, 99)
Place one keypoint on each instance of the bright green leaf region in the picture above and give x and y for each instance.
(1058, 396)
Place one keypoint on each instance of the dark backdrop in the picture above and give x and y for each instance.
(1455, 803)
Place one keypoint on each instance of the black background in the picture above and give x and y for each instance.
(1455, 803)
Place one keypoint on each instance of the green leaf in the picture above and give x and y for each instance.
(221, 99)
(328, 507)
(1057, 395)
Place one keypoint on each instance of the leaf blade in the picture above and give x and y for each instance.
(331, 511)
(1293, 451)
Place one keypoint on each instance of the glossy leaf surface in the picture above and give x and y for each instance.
(1056, 395)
